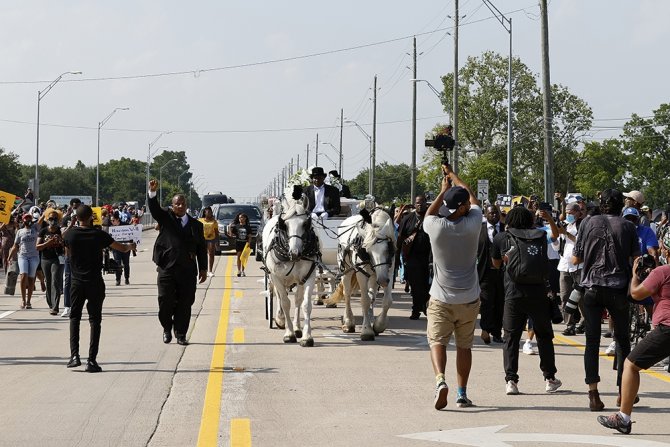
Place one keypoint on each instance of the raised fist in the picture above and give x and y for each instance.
(153, 185)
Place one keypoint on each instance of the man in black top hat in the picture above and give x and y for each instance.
(344, 190)
(324, 200)
(180, 254)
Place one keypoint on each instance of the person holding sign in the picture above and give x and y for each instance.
(121, 257)
(25, 244)
(180, 254)
(240, 230)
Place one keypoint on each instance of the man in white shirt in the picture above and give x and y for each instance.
(454, 294)
(324, 200)
(570, 274)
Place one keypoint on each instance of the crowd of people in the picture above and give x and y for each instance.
(534, 265)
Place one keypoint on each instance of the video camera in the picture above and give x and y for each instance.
(645, 267)
(443, 142)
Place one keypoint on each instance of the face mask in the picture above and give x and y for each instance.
(570, 218)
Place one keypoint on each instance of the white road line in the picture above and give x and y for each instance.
(6, 314)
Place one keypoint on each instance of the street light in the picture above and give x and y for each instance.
(97, 166)
(160, 178)
(179, 178)
(40, 95)
(507, 24)
(339, 151)
(436, 91)
(150, 154)
(371, 177)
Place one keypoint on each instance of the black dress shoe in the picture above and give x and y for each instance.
(497, 339)
(167, 337)
(182, 341)
(93, 367)
(415, 316)
(74, 362)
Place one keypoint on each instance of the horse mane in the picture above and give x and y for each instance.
(291, 207)
(381, 228)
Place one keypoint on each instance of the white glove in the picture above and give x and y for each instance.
(324, 216)
(314, 216)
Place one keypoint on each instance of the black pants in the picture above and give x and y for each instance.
(417, 274)
(53, 276)
(614, 300)
(492, 302)
(553, 276)
(176, 295)
(517, 311)
(93, 293)
(122, 259)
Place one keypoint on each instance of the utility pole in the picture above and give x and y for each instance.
(341, 128)
(374, 140)
(297, 163)
(546, 105)
(307, 161)
(316, 161)
(455, 93)
(412, 192)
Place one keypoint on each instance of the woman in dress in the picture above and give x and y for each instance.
(211, 229)
(240, 232)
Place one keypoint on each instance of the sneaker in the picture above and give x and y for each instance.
(608, 334)
(615, 421)
(66, 312)
(511, 389)
(463, 401)
(239, 274)
(580, 329)
(552, 385)
(441, 391)
(569, 331)
(244, 274)
(528, 348)
(210, 274)
(93, 367)
(611, 349)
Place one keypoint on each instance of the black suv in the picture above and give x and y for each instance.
(224, 213)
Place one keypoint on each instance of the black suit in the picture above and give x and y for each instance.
(331, 199)
(345, 192)
(491, 285)
(178, 253)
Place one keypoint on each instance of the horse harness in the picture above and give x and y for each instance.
(365, 259)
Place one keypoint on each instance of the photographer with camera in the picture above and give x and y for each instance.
(570, 274)
(605, 245)
(654, 347)
(453, 223)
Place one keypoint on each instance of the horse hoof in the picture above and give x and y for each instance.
(348, 329)
(290, 339)
(331, 306)
(307, 343)
(280, 325)
(367, 337)
(318, 302)
(298, 333)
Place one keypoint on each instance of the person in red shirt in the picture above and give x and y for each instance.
(653, 348)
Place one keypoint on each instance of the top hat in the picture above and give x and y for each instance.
(317, 171)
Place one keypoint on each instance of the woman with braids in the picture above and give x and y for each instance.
(525, 298)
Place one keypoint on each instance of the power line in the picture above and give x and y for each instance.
(198, 71)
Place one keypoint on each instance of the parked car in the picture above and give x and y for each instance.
(226, 212)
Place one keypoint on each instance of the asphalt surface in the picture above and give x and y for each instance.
(237, 383)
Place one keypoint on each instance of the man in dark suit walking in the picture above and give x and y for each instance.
(490, 279)
(180, 254)
(324, 200)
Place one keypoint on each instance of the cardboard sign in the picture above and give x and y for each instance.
(6, 204)
(504, 202)
(65, 200)
(482, 190)
(125, 233)
(97, 215)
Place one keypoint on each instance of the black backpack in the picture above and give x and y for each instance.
(527, 256)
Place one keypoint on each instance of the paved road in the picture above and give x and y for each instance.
(238, 384)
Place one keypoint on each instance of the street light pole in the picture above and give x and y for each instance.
(160, 179)
(179, 178)
(369, 137)
(507, 24)
(97, 166)
(41, 94)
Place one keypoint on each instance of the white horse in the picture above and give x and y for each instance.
(291, 250)
(367, 247)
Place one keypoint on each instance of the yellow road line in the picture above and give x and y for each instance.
(240, 433)
(211, 411)
(238, 335)
(239, 294)
(567, 341)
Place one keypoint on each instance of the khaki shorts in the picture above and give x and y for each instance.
(446, 319)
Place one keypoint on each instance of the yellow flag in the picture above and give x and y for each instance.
(244, 257)
(6, 203)
(97, 215)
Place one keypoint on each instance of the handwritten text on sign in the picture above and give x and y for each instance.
(125, 233)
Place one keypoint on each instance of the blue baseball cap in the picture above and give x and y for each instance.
(630, 211)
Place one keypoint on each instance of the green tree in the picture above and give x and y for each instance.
(391, 181)
(645, 142)
(122, 180)
(483, 126)
(170, 172)
(600, 166)
(12, 179)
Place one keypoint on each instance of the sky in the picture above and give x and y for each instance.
(240, 125)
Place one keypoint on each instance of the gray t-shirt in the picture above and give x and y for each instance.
(454, 247)
(27, 240)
